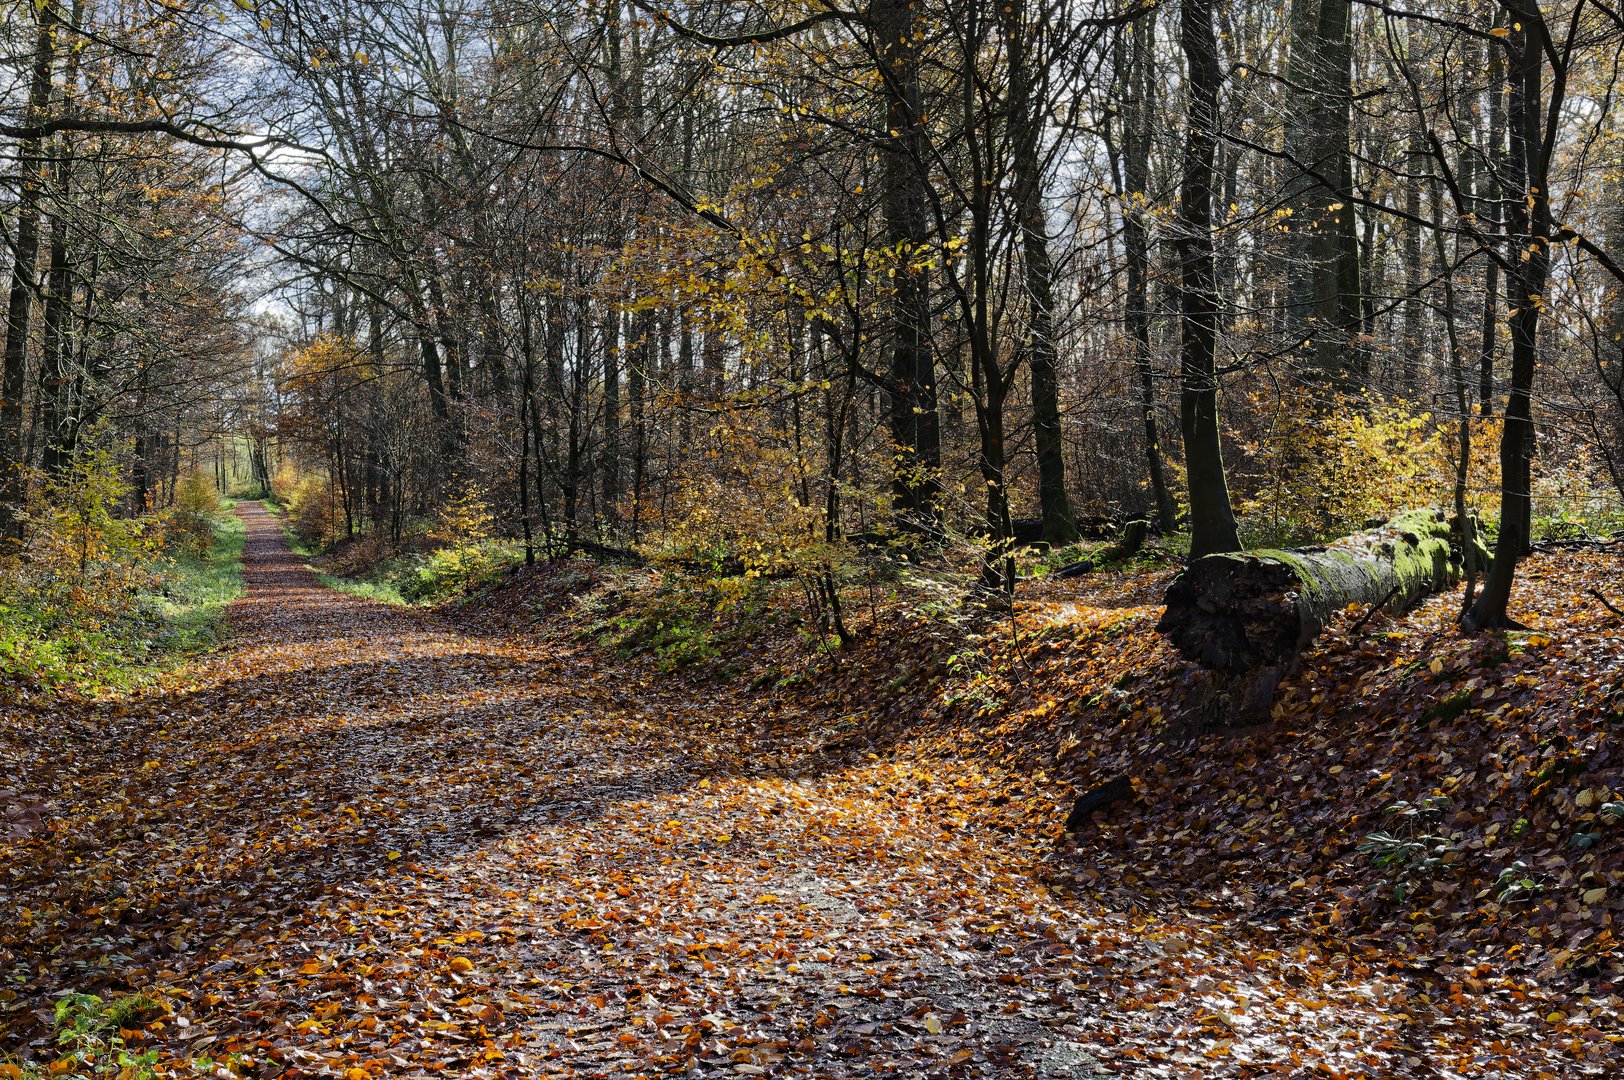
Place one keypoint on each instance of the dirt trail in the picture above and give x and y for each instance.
(363, 839)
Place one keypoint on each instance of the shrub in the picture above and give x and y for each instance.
(676, 623)
(307, 500)
(753, 519)
(464, 521)
(1319, 475)
(87, 599)
(189, 526)
(1409, 851)
(452, 571)
(196, 494)
(82, 565)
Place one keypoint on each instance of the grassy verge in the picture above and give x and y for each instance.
(181, 616)
(382, 589)
(198, 588)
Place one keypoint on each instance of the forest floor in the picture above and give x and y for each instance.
(364, 841)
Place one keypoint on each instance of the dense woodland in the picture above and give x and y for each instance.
(757, 277)
(1028, 386)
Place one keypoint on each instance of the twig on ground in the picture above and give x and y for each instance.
(1360, 625)
(1597, 593)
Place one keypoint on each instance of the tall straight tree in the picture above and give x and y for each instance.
(911, 391)
(893, 40)
(1212, 518)
(1028, 111)
(1531, 125)
(1135, 49)
(1323, 270)
(24, 274)
(1490, 207)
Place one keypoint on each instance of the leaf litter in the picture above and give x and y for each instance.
(371, 842)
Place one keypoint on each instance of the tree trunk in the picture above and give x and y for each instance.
(1530, 231)
(20, 301)
(434, 379)
(609, 460)
(1247, 616)
(914, 423)
(1492, 209)
(1212, 519)
(57, 412)
(1463, 410)
(1137, 112)
(1324, 265)
(1059, 524)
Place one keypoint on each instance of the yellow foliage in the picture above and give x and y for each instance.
(326, 364)
(750, 512)
(286, 481)
(465, 551)
(83, 564)
(465, 520)
(197, 494)
(188, 526)
(1323, 474)
(306, 498)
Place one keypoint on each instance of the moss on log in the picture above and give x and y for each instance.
(1246, 611)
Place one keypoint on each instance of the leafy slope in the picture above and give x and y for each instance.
(367, 842)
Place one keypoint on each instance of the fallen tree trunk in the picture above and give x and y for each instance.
(1248, 615)
(1127, 546)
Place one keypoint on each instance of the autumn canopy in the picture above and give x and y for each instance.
(918, 538)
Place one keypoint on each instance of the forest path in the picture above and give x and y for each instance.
(363, 841)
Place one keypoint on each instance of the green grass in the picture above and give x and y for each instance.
(198, 588)
(383, 590)
(183, 616)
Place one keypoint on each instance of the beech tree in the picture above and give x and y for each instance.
(943, 271)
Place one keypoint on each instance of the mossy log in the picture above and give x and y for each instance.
(1256, 611)
(1127, 546)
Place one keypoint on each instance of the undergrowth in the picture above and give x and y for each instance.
(93, 1036)
(425, 579)
(460, 554)
(684, 623)
(190, 608)
(116, 612)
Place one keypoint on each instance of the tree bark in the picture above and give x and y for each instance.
(1043, 358)
(24, 286)
(609, 459)
(914, 423)
(1212, 518)
(1137, 111)
(1492, 208)
(1530, 231)
(1247, 616)
(1324, 268)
